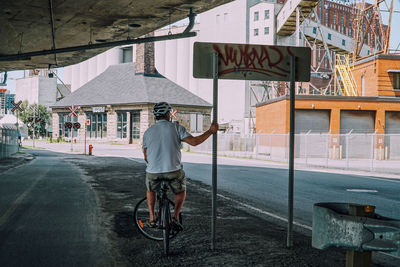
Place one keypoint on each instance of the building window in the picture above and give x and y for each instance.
(255, 32)
(256, 16)
(266, 30)
(343, 42)
(266, 14)
(97, 128)
(342, 21)
(326, 18)
(196, 122)
(63, 130)
(121, 125)
(314, 30)
(329, 36)
(396, 80)
(127, 54)
(135, 125)
(334, 19)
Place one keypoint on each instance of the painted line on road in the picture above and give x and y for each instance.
(15, 204)
(362, 190)
(259, 210)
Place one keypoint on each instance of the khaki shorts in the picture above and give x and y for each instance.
(177, 183)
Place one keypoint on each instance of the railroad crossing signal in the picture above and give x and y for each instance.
(16, 106)
(173, 113)
(68, 125)
(77, 125)
(73, 112)
(37, 119)
(30, 119)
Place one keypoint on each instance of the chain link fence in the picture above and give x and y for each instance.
(8, 142)
(367, 152)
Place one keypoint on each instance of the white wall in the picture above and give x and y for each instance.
(261, 23)
(79, 74)
(27, 89)
(36, 90)
(174, 59)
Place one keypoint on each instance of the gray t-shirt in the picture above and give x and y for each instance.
(163, 144)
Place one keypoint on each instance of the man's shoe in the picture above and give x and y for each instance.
(151, 224)
(176, 226)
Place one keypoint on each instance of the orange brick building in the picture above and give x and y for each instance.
(375, 110)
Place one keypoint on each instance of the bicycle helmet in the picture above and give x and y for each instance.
(161, 108)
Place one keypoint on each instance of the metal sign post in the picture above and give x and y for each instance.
(252, 62)
(72, 113)
(289, 241)
(17, 108)
(214, 151)
(86, 124)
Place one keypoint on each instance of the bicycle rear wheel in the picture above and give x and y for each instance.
(166, 223)
(141, 215)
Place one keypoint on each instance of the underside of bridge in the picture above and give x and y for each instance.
(28, 27)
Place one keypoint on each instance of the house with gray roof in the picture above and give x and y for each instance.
(117, 104)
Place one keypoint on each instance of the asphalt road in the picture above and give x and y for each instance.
(49, 216)
(267, 189)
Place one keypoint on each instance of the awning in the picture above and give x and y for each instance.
(394, 71)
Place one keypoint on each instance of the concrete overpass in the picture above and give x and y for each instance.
(30, 27)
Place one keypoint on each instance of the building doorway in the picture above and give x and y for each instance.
(134, 126)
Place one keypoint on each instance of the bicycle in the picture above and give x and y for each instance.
(164, 207)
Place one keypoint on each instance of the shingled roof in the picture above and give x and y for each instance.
(118, 84)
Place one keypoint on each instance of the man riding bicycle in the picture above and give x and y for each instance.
(161, 149)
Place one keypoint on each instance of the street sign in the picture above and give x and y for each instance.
(251, 62)
(16, 106)
(98, 109)
(73, 112)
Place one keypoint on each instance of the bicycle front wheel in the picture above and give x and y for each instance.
(141, 215)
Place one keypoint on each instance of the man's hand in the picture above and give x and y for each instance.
(214, 128)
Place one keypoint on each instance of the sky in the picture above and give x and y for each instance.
(394, 42)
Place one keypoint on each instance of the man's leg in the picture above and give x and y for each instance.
(179, 199)
(151, 200)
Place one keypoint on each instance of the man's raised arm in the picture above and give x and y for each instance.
(194, 141)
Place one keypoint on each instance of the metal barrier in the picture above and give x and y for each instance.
(354, 227)
(8, 142)
(372, 152)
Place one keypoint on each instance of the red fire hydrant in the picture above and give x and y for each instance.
(90, 149)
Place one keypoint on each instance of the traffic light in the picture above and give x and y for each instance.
(77, 125)
(68, 125)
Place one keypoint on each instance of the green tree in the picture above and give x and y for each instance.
(30, 113)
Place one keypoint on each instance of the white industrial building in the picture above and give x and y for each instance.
(240, 21)
(229, 23)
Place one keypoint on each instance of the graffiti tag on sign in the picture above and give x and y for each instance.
(251, 62)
